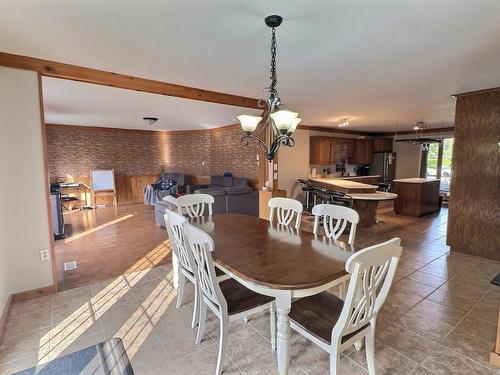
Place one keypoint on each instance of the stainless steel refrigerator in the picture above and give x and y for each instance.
(384, 164)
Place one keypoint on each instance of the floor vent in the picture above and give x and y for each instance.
(70, 266)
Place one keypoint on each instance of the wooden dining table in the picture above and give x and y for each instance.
(277, 261)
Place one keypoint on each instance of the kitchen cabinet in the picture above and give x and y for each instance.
(320, 151)
(336, 150)
(347, 147)
(382, 145)
(363, 151)
(331, 150)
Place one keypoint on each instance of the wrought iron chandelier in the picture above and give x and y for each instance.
(424, 142)
(278, 122)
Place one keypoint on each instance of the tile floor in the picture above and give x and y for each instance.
(440, 318)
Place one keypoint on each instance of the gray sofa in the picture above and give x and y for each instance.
(231, 194)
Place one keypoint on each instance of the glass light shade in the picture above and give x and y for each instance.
(295, 122)
(284, 119)
(249, 123)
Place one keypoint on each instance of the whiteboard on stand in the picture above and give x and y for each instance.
(103, 180)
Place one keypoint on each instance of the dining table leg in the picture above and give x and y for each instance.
(283, 305)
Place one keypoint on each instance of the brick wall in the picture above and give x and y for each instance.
(77, 150)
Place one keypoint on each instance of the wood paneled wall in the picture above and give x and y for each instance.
(474, 216)
(129, 189)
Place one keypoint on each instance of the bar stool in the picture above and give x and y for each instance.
(309, 190)
(384, 186)
(335, 197)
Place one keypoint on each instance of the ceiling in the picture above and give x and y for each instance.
(77, 103)
(384, 64)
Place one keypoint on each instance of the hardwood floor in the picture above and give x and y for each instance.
(108, 242)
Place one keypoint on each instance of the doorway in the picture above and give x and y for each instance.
(438, 163)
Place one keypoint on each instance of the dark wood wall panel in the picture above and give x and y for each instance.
(474, 216)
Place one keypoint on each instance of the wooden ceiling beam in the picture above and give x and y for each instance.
(100, 77)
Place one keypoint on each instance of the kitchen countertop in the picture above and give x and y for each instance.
(347, 177)
(346, 184)
(355, 177)
(377, 196)
(416, 180)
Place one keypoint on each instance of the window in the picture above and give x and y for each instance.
(437, 162)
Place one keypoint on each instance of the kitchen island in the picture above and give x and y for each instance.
(416, 196)
(365, 197)
(343, 185)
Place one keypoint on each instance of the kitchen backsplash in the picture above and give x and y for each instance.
(350, 168)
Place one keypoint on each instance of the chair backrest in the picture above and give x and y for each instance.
(194, 204)
(174, 223)
(335, 219)
(200, 246)
(286, 209)
(372, 272)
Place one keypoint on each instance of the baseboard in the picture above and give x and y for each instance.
(4, 317)
(33, 293)
(495, 359)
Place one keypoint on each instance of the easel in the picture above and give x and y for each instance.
(102, 181)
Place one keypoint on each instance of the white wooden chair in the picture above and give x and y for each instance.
(286, 209)
(334, 324)
(194, 204)
(228, 300)
(174, 223)
(335, 219)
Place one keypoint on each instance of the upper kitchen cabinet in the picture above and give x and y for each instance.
(382, 145)
(363, 151)
(320, 151)
(346, 147)
(336, 150)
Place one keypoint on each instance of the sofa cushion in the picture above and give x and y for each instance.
(221, 180)
(238, 190)
(240, 181)
(212, 191)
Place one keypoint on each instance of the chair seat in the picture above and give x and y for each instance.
(240, 298)
(218, 272)
(318, 315)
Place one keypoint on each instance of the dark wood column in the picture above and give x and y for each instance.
(474, 217)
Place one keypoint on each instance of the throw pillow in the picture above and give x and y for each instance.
(165, 184)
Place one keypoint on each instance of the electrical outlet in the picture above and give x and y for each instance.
(44, 254)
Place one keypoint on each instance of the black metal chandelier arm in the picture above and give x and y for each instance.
(261, 143)
(277, 142)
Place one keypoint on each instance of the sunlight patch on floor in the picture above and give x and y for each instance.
(135, 330)
(98, 228)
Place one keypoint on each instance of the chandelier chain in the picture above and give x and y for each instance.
(273, 76)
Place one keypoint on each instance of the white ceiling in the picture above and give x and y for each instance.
(378, 62)
(77, 103)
